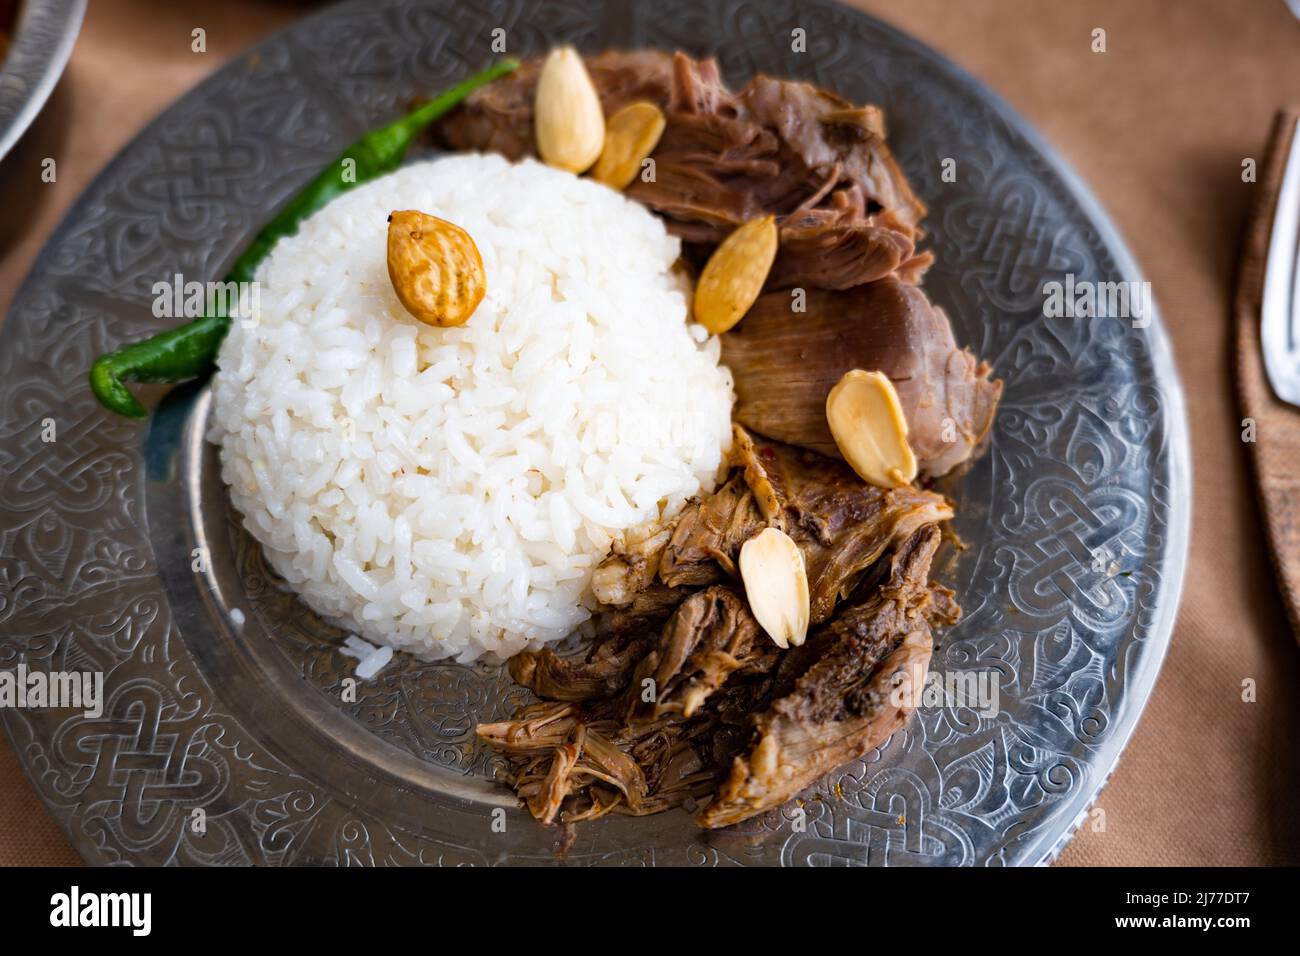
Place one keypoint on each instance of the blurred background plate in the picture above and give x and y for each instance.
(1077, 518)
(43, 34)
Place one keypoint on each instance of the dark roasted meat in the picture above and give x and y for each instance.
(848, 223)
(635, 604)
(841, 524)
(786, 364)
(846, 214)
(826, 131)
(861, 684)
(711, 635)
(602, 673)
(663, 708)
(631, 568)
(572, 762)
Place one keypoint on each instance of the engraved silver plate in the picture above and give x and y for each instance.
(44, 35)
(1090, 455)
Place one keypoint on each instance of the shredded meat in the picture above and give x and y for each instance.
(660, 716)
(841, 524)
(861, 685)
(848, 224)
(603, 673)
(846, 213)
(711, 635)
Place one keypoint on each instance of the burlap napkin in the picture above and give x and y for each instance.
(1270, 427)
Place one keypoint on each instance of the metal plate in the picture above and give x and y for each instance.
(43, 39)
(97, 528)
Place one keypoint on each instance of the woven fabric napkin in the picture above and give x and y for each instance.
(1270, 427)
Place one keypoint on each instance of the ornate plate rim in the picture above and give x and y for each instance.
(47, 32)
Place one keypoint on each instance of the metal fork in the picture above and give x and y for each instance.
(1279, 316)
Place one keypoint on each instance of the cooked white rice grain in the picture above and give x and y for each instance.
(449, 491)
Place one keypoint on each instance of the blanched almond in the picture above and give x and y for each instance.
(631, 135)
(776, 584)
(568, 120)
(734, 275)
(435, 268)
(867, 422)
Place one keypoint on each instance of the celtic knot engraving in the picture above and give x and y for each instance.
(140, 756)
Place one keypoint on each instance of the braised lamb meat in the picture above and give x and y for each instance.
(861, 684)
(603, 673)
(784, 369)
(846, 213)
(711, 636)
(848, 223)
(841, 524)
(598, 743)
(682, 698)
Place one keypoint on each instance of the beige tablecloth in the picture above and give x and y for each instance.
(1158, 125)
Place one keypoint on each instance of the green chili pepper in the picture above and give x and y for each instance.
(189, 351)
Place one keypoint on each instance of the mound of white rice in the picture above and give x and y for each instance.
(449, 491)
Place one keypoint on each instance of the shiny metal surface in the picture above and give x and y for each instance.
(43, 39)
(249, 724)
(1279, 312)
